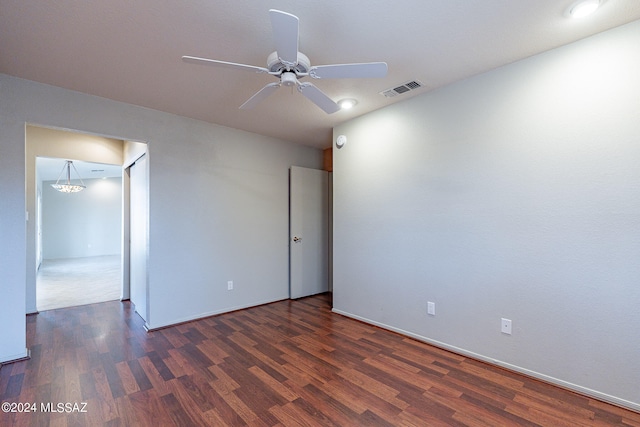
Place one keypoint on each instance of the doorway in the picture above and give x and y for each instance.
(78, 247)
(103, 152)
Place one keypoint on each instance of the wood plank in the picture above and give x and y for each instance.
(157, 381)
(139, 375)
(374, 386)
(292, 415)
(107, 403)
(372, 405)
(176, 411)
(273, 384)
(161, 367)
(128, 380)
(14, 386)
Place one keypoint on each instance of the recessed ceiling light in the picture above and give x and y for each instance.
(583, 8)
(347, 103)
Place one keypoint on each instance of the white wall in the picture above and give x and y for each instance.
(12, 240)
(512, 194)
(218, 204)
(82, 224)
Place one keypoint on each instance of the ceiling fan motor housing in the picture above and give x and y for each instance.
(274, 65)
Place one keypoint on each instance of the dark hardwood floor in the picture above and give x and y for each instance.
(283, 364)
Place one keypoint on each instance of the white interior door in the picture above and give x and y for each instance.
(308, 232)
(139, 214)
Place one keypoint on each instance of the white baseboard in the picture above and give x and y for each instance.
(211, 313)
(15, 357)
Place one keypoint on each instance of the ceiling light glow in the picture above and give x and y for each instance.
(348, 103)
(583, 8)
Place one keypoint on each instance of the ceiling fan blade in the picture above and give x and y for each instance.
(285, 35)
(346, 71)
(233, 65)
(260, 96)
(318, 97)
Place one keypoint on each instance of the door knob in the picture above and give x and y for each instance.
(297, 239)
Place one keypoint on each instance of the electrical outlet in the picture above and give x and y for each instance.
(230, 285)
(505, 326)
(431, 308)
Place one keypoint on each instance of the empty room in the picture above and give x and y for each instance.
(412, 213)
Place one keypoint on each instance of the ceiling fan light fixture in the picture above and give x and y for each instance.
(582, 8)
(347, 103)
(289, 79)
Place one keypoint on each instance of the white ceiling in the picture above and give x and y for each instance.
(131, 51)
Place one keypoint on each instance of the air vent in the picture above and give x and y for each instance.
(406, 87)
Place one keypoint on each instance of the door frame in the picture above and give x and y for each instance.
(141, 149)
(31, 196)
(126, 231)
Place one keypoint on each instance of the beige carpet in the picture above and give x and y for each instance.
(78, 281)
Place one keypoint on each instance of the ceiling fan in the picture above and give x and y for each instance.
(289, 65)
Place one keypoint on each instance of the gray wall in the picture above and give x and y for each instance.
(512, 194)
(84, 224)
(218, 201)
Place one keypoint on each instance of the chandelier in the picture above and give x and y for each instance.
(68, 187)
